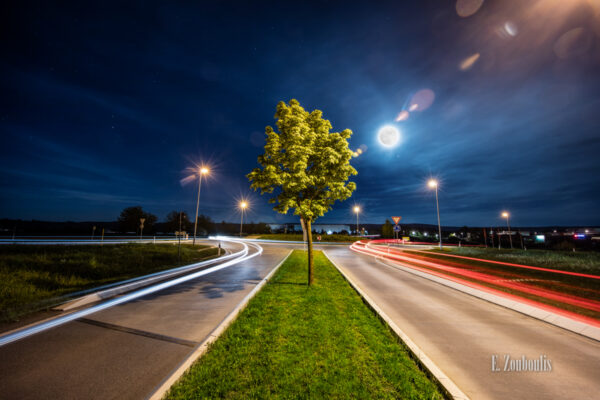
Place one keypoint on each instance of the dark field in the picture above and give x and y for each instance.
(36, 277)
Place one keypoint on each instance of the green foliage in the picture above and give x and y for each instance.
(387, 230)
(206, 225)
(299, 342)
(305, 166)
(129, 220)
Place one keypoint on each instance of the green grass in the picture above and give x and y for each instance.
(298, 237)
(583, 262)
(300, 342)
(32, 277)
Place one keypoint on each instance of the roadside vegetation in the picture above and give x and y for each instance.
(299, 341)
(33, 277)
(297, 237)
(573, 287)
(586, 262)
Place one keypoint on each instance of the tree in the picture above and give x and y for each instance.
(305, 166)
(205, 225)
(172, 224)
(387, 230)
(129, 220)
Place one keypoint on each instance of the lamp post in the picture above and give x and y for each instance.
(433, 184)
(201, 171)
(142, 227)
(357, 210)
(243, 206)
(179, 239)
(506, 215)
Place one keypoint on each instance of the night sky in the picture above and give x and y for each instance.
(106, 105)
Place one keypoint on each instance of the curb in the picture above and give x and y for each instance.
(166, 384)
(550, 317)
(444, 381)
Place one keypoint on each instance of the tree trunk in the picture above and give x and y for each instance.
(310, 252)
(303, 225)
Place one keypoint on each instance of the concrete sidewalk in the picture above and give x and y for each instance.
(463, 335)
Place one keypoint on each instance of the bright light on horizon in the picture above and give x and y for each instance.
(356, 209)
(432, 183)
(505, 214)
(204, 170)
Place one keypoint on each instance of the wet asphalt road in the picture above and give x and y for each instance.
(125, 352)
(461, 333)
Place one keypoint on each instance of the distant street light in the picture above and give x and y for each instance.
(243, 206)
(433, 184)
(506, 215)
(357, 210)
(201, 171)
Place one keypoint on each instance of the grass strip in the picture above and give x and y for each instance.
(586, 262)
(32, 277)
(295, 341)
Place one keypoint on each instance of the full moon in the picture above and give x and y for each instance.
(388, 136)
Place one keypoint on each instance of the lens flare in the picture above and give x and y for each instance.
(422, 100)
(402, 116)
(466, 8)
(572, 43)
(468, 62)
(511, 28)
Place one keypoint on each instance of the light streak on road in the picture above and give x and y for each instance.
(23, 333)
(375, 242)
(436, 268)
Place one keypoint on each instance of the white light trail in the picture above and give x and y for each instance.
(23, 333)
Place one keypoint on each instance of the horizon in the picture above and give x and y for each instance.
(351, 223)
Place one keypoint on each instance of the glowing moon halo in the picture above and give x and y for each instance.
(388, 136)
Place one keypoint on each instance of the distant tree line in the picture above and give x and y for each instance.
(128, 222)
(176, 221)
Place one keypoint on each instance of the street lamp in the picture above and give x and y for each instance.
(201, 171)
(142, 227)
(357, 210)
(243, 205)
(433, 184)
(506, 215)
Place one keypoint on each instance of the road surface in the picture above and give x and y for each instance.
(126, 351)
(461, 334)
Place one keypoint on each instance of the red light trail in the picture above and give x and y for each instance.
(502, 279)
